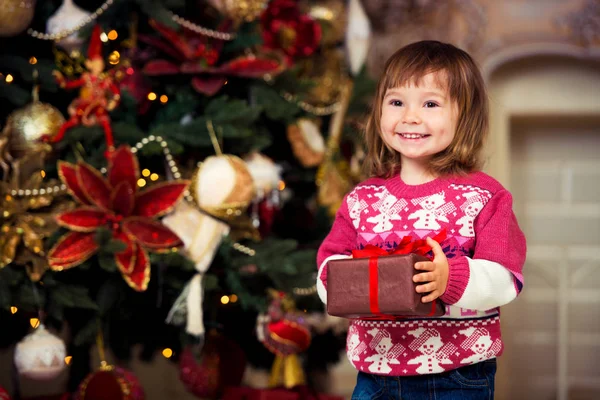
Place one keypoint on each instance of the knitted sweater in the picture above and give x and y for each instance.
(485, 250)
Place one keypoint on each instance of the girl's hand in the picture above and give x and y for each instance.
(433, 281)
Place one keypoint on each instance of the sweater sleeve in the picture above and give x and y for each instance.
(338, 244)
(494, 275)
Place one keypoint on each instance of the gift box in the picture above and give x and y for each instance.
(379, 285)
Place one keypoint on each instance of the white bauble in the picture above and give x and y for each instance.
(223, 186)
(40, 355)
(68, 16)
(265, 173)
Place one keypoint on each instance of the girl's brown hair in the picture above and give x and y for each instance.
(465, 86)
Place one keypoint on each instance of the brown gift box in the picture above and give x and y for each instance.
(348, 288)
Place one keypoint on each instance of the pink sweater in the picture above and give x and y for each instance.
(485, 250)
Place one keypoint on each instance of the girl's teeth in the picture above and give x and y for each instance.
(412, 136)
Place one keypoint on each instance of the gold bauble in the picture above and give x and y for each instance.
(333, 16)
(240, 10)
(15, 16)
(27, 125)
(333, 180)
(327, 74)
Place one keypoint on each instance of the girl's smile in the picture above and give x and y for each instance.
(412, 135)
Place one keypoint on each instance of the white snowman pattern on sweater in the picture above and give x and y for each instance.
(472, 207)
(387, 352)
(355, 347)
(433, 351)
(355, 208)
(480, 342)
(388, 206)
(432, 210)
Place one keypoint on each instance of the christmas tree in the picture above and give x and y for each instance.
(169, 169)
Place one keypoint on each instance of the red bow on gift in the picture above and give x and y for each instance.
(406, 246)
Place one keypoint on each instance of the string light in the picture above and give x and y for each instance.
(225, 300)
(141, 182)
(146, 172)
(68, 359)
(43, 173)
(113, 35)
(309, 108)
(164, 98)
(9, 78)
(33, 61)
(13, 310)
(34, 322)
(167, 353)
(38, 192)
(305, 291)
(233, 298)
(154, 177)
(200, 29)
(281, 185)
(104, 37)
(151, 96)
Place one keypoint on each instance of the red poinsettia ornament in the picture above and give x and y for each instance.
(115, 203)
(198, 55)
(285, 28)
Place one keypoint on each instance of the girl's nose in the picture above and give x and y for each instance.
(411, 116)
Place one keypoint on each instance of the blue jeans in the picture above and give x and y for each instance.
(472, 382)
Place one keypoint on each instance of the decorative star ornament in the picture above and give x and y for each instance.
(114, 203)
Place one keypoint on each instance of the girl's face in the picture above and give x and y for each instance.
(419, 121)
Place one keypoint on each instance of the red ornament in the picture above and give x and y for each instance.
(4, 394)
(264, 210)
(284, 28)
(112, 383)
(197, 55)
(115, 203)
(97, 97)
(222, 364)
(283, 331)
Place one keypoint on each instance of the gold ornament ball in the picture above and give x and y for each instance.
(240, 10)
(333, 16)
(15, 16)
(28, 124)
(327, 73)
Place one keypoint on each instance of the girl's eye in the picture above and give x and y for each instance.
(396, 103)
(431, 104)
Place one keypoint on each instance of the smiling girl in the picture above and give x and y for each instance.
(424, 137)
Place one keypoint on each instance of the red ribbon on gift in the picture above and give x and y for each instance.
(406, 246)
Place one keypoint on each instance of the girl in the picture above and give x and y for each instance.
(424, 138)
